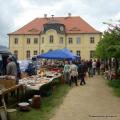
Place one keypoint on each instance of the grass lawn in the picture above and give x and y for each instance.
(48, 107)
(115, 84)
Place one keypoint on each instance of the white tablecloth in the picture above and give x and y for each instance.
(38, 86)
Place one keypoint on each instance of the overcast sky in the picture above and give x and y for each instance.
(16, 13)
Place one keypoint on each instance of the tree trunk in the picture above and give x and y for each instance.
(116, 67)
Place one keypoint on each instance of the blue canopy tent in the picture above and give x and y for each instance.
(70, 53)
(58, 54)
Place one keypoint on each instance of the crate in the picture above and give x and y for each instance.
(7, 83)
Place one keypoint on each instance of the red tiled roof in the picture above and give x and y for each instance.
(72, 25)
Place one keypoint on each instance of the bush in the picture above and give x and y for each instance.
(114, 83)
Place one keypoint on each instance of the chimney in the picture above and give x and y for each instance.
(45, 15)
(69, 14)
(52, 16)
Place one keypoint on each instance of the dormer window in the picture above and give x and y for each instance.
(59, 28)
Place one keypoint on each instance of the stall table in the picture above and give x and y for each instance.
(36, 82)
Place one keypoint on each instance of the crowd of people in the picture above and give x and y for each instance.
(80, 69)
(72, 70)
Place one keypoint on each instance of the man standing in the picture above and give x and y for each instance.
(90, 70)
(73, 74)
(94, 67)
(98, 66)
(11, 67)
(82, 73)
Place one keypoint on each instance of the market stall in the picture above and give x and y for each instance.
(50, 74)
(35, 82)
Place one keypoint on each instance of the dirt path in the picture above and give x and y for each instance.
(95, 101)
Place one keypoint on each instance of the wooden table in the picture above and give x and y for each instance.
(4, 93)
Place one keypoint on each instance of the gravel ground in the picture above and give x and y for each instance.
(94, 101)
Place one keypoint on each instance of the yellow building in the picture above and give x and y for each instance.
(50, 33)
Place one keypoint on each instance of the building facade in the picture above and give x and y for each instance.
(49, 33)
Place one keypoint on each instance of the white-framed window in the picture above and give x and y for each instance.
(28, 40)
(70, 40)
(35, 40)
(61, 40)
(92, 40)
(16, 41)
(28, 54)
(35, 52)
(42, 40)
(78, 52)
(92, 53)
(78, 40)
(51, 38)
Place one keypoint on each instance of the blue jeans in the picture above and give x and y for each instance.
(94, 71)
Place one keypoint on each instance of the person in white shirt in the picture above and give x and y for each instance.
(94, 67)
(66, 72)
(73, 74)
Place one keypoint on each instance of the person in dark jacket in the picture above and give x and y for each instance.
(81, 71)
(98, 66)
(31, 69)
(90, 70)
(1, 67)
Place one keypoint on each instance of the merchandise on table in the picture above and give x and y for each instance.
(36, 81)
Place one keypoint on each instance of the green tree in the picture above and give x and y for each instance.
(109, 45)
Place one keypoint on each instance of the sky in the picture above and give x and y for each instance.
(16, 13)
